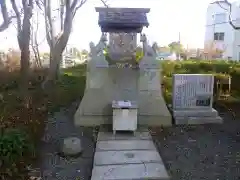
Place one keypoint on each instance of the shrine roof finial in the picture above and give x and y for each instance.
(122, 19)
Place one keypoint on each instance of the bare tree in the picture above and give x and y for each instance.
(221, 3)
(23, 36)
(5, 15)
(57, 41)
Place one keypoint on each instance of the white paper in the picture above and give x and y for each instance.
(125, 113)
(124, 103)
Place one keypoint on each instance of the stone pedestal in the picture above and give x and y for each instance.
(105, 84)
(152, 107)
(95, 106)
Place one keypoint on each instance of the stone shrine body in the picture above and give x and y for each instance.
(120, 77)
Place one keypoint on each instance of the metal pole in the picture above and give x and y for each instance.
(179, 44)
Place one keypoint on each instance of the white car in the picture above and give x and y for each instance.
(167, 56)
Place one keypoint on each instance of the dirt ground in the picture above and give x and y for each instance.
(50, 165)
(202, 152)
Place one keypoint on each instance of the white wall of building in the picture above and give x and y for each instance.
(217, 22)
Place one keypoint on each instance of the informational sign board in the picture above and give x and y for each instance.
(192, 91)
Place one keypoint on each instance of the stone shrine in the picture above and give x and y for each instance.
(107, 81)
(193, 98)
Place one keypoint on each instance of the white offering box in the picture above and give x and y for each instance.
(124, 116)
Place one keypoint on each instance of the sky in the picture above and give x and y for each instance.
(167, 18)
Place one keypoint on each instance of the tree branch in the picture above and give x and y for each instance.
(34, 40)
(226, 2)
(70, 11)
(75, 6)
(39, 4)
(104, 3)
(48, 23)
(61, 13)
(5, 16)
(19, 22)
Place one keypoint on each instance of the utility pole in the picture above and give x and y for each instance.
(179, 37)
(179, 44)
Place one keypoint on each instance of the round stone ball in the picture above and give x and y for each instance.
(71, 146)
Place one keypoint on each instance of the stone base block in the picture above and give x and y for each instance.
(198, 120)
(196, 113)
(196, 116)
(94, 109)
(153, 110)
(148, 120)
(143, 120)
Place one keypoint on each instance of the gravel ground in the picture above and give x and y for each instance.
(53, 167)
(206, 152)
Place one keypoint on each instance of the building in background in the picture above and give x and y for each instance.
(219, 34)
(194, 53)
(72, 56)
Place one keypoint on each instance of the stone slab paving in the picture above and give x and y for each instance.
(103, 136)
(122, 157)
(125, 145)
(130, 172)
(132, 153)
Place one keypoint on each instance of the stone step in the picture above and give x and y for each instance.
(126, 157)
(119, 145)
(142, 171)
(105, 136)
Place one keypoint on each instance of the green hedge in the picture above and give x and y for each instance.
(221, 69)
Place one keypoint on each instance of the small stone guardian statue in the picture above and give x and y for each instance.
(98, 49)
(149, 60)
(147, 49)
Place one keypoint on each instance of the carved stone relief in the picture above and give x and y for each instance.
(122, 45)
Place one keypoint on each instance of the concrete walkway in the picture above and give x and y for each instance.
(127, 157)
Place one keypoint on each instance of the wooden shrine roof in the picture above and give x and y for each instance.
(122, 19)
